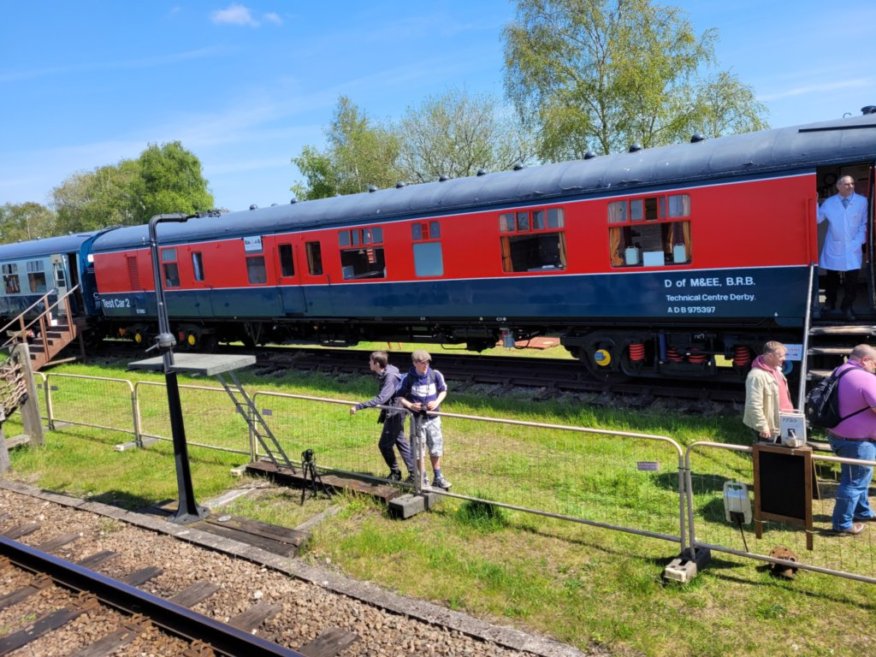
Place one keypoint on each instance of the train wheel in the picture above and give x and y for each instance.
(601, 357)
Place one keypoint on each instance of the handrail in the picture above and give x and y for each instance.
(20, 318)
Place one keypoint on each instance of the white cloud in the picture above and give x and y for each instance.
(817, 88)
(274, 18)
(234, 14)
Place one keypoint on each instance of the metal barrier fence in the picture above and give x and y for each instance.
(211, 420)
(709, 465)
(73, 403)
(631, 482)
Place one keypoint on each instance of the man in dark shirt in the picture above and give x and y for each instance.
(393, 419)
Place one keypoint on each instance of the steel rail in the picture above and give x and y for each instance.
(174, 618)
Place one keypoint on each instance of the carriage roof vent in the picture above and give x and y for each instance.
(589, 155)
(399, 184)
(868, 109)
(253, 207)
(481, 172)
(518, 166)
(634, 148)
(443, 178)
(696, 138)
(372, 189)
(293, 201)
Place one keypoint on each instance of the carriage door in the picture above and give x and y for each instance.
(60, 282)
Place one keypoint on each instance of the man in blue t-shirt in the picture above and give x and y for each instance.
(423, 389)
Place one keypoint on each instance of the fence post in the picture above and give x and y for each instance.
(30, 409)
(135, 409)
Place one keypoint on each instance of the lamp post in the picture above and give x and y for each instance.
(187, 510)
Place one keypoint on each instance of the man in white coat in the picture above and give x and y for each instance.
(846, 215)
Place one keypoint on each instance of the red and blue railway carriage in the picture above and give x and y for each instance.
(655, 262)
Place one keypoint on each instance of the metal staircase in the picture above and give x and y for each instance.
(48, 333)
(257, 425)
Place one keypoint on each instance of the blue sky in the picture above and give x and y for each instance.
(244, 85)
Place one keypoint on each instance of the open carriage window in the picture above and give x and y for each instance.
(650, 232)
(362, 253)
(533, 240)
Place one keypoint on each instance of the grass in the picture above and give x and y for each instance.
(580, 584)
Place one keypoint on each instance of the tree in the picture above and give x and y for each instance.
(97, 199)
(25, 221)
(456, 134)
(163, 179)
(603, 74)
(170, 180)
(359, 154)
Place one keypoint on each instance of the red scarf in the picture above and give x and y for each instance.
(785, 403)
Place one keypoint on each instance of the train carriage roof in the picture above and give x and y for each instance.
(46, 246)
(751, 155)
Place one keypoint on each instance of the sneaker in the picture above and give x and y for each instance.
(441, 482)
(394, 475)
(410, 480)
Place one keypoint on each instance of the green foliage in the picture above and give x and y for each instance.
(163, 179)
(170, 180)
(360, 153)
(455, 134)
(602, 74)
(25, 221)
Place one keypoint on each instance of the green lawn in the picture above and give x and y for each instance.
(580, 584)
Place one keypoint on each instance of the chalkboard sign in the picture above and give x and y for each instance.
(783, 486)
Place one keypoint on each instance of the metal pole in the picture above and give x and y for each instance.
(187, 510)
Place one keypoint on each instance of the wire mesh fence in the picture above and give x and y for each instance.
(340, 441)
(712, 465)
(618, 479)
(637, 483)
(71, 399)
(211, 420)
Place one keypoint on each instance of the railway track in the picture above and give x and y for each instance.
(545, 377)
(79, 580)
(117, 610)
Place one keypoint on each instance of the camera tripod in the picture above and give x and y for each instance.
(308, 464)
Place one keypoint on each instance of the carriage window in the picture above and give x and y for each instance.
(171, 270)
(10, 278)
(255, 270)
(428, 259)
(365, 259)
(533, 242)
(36, 276)
(428, 254)
(133, 272)
(287, 265)
(661, 240)
(314, 258)
(198, 265)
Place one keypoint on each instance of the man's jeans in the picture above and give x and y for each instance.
(851, 496)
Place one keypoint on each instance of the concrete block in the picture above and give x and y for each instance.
(406, 506)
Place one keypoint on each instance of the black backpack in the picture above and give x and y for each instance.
(822, 403)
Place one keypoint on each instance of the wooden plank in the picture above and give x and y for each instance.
(142, 576)
(97, 559)
(43, 625)
(57, 542)
(328, 644)
(109, 644)
(192, 595)
(276, 547)
(39, 582)
(256, 528)
(254, 616)
(18, 531)
(330, 482)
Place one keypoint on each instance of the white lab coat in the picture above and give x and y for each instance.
(846, 232)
